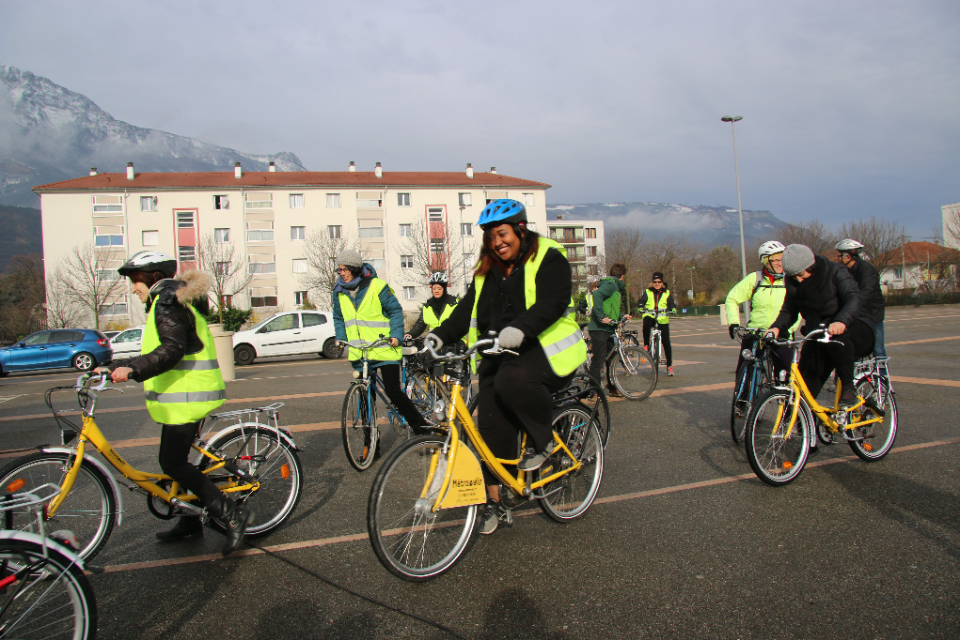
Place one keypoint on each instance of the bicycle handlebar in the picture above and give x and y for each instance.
(494, 350)
(363, 346)
(824, 337)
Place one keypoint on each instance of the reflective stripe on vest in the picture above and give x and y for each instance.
(190, 391)
(367, 323)
(430, 317)
(562, 341)
(649, 311)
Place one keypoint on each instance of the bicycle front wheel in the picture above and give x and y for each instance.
(602, 407)
(411, 540)
(89, 510)
(43, 594)
(259, 454)
(777, 453)
(740, 406)
(569, 496)
(633, 373)
(874, 441)
(359, 429)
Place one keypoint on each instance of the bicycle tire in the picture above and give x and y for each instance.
(776, 459)
(569, 496)
(275, 465)
(740, 405)
(409, 540)
(358, 427)
(638, 380)
(874, 441)
(420, 391)
(602, 419)
(89, 511)
(50, 597)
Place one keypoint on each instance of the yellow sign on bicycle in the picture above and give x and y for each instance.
(466, 480)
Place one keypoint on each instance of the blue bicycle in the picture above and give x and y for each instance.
(754, 376)
(360, 424)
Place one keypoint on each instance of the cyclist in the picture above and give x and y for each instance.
(180, 375)
(521, 289)
(764, 289)
(437, 309)
(364, 308)
(868, 279)
(605, 311)
(825, 293)
(655, 300)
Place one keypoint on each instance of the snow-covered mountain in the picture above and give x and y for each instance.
(49, 133)
(710, 225)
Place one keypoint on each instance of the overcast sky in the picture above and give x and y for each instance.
(851, 108)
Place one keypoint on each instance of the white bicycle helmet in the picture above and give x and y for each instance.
(149, 261)
(438, 278)
(848, 246)
(771, 247)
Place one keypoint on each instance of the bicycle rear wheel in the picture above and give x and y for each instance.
(874, 441)
(569, 496)
(409, 539)
(602, 419)
(776, 456)
(740, 406)
(359, 429)
(634, 373)
(88, 511)
(260, 454)
(43, 594)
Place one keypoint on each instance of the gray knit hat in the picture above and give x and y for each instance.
(350, 258)
(797, 258)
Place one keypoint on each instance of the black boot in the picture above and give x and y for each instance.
(187, 527)
(234, 519)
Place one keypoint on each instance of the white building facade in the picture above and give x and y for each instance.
(951, 225)
(584, 243)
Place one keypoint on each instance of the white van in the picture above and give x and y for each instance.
(285, 334)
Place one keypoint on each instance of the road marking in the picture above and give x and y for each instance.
(6, 398)
(358, 537)
(896, 344)
(933, 381)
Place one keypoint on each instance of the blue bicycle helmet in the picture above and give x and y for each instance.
(502, 211)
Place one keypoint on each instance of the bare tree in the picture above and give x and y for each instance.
(63, 309)
(424, 253)
(91, 272)
(812, 233)
(878, 236)
(320, 250)
(21, 296)
(625, 246)
(230, 274)
(659, 254)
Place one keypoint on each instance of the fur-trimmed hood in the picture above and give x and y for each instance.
(192, 287)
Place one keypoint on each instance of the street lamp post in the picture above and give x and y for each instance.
(736, 168)
(692, 292)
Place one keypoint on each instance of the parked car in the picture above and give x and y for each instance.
(126, 344)
(109, 334)
(285, 334)
(82, 349)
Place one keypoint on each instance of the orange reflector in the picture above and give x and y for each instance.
(866, 445)
(16, 485)
(285, 470)
(788, 465)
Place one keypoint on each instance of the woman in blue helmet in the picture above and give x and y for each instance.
(521, 290)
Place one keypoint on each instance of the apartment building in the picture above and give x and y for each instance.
(583, 241)
(396, 219)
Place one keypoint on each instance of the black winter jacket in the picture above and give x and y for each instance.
(438, 305)
(176, 325)
(868, 279)
(829, 295)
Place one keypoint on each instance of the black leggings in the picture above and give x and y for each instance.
(390, 374)
(817, 359)
(176, 441)
(648, 323)
(602, 343)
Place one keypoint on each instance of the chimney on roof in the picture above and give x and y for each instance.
(129, 171)
(237, 171)
(353, 166)
(470, 170)
(559, 216)
(493, 170)
(273, 167)
(93, 171)
(378, 170)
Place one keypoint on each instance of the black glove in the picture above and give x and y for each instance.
(732, 329)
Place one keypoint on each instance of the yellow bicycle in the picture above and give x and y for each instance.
(780, 426)
(423, 511)
(255, 463)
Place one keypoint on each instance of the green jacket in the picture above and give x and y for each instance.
(606, 303)
(765, 301)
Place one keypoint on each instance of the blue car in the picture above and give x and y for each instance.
(82, 349)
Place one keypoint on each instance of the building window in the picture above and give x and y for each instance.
(298, 233)
(403, 199)
(259, 235)
(437, 245)
(593, 270)
(528, 199)
(466, 228)
(379, 265)
(151, 238)
(591, 252)
(262, 298)
(187, 253)
(108, 236)
(591, 232)
(263, 267)
(371, 232)
(464, 199)
(258, 201)
(221, 236)
(107, 204)
(223, 268)
(406, 230)
(435, 214)
(185, 220)
(300, 265)
(221, 202)
(406, 262)
(115, 309)
(468, 260)
(898, 273)
(333, 201)
(569, 235)
(296, 201)
(107, 275)
(335, 231)
(299, 299)
(409, 293)
(148, 203)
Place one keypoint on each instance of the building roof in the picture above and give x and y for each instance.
(273, 179)
(920, 253)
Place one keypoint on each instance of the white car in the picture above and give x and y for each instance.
(126, 344)
(285, 334)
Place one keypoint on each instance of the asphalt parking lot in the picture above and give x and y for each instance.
(683, 541)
